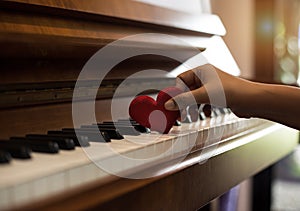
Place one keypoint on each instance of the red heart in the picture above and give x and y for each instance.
(152, 114)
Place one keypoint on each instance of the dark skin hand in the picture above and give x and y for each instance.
(278, 103)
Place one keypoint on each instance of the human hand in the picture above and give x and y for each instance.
(208, 85)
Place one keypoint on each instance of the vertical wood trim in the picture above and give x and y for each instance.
(264, 34)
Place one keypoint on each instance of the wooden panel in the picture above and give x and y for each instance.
(264, 35)
(40, 47)
(133, 11)
(41, 36)
(40, 119)
(44, 70)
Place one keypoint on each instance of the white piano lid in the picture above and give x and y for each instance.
(216, 53)
(137, 11)
(193, 6)
(199, 16)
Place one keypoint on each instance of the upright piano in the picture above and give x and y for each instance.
(47, 45)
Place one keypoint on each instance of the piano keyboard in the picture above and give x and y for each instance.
(69, 165)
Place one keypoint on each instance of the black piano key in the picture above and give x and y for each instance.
(216, 112)
(92, 135)
(38, 145)
(132, 123)
(106, 136)
(202, 115)
(187, 119)
(112, 133)
(193, 112)
(138, 127)
(227, 110)
(141, 128)
(127, 120)
(79, 140)
(222, 110)
(15, 149)
(5, 157)
(122, 129)
(63, 143)
(177, 123)
(207, 110)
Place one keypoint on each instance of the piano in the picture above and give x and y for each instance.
(47, 45)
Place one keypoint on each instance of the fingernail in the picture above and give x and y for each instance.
(170, 105)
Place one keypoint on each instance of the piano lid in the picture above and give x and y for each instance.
(129, 10)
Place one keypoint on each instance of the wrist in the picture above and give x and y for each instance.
(245, 99)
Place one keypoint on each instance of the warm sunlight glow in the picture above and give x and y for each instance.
(298, 81)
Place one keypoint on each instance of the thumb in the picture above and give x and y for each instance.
(181, 101)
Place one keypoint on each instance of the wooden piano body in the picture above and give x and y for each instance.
(45, 45)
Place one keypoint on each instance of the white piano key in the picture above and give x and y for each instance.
(21, 193)
(194, 139)
(40, 165)
(189, 144)
(89, 172)
(145, 152)
(113, 164)
(157, 150)
(57, 182)
(75, 176)
(40, 187)
(177, 146)
(130, 160)
(6, 198)
(121, 146)
(158, 147)
(101, 173)
(168, 148)
(98, 151)
(98, 172)
(185, 140)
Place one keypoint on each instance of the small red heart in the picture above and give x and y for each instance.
(152, 114)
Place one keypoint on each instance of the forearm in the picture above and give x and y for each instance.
(274, 102)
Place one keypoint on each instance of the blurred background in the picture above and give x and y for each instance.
(264, 38)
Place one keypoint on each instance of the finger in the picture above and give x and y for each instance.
(183, 114)
(186, 80)
(181, 101)
(194, 112)
(180, 84)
